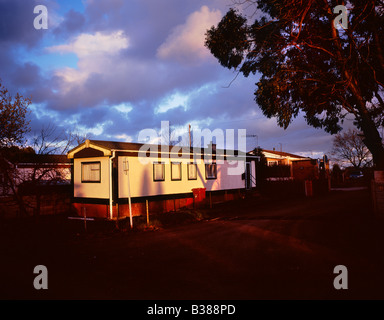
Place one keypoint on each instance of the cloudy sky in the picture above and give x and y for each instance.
(112, 68)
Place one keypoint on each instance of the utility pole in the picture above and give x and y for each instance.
(189, 133)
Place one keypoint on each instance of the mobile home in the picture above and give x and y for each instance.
(118, 179)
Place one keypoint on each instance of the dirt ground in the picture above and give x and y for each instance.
(253, 248)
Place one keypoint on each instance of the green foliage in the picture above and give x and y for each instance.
(229, 39)
(307, 65)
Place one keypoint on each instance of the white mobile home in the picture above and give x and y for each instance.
(116, 179)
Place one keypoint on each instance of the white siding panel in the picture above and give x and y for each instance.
(92, 189)
(142, 183)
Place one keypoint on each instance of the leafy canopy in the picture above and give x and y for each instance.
(305, 63)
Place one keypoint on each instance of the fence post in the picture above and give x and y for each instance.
(146, 205)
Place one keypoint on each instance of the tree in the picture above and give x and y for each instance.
(51, 141)
(41, 175)
(13, 122)
(48, 143)
(349, 147)
(13, 127)
(309, 65)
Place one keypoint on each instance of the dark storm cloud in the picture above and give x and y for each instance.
(18, 33)
(16, 23)
(149, 22)
(141, 74)
(16, 28)
(73, 23)
(135, 76)
(7, 65)
(25, 75)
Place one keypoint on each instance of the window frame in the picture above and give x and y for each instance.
(180, 167)
(82, 171)
(163, 167)
(272, 163)
(215, 171)
(188, 171)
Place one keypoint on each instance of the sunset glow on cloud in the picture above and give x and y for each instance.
(186, 41)
(113, 68)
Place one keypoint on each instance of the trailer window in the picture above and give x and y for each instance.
(175, 171)
(192, 171)
(158, 172)
(210, 171)
(90, 172)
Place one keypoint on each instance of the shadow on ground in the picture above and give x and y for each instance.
(253, 248)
